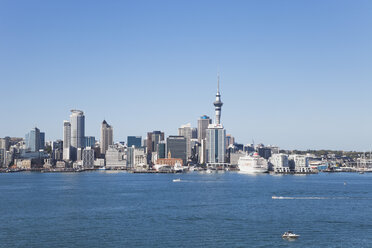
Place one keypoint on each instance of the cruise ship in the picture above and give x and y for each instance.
(252, 164)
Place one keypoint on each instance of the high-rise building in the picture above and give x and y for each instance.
(90, 141)
(5, 143)
(88, 157)
(216, 134)
(176, 146)
(32, 140)
(134, 141)
(66, 140)
(194, 133)
(161, 149)
(186, 131)
(42, 140)
(203, 124)
(106, 136)
(152, 141)
(77, 120)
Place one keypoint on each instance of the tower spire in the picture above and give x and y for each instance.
(218, 103)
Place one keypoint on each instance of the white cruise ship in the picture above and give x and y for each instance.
(252, 164)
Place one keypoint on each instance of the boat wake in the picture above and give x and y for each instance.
(305, 198)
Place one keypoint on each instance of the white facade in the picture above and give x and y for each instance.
(186, 131)
(115, 158)
(279, 162)
(301, 163)
(66, 140)
(77, 120)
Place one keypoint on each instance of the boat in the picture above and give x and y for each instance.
(102, 168)
(177, 180)
(290, 235)
(253, 164)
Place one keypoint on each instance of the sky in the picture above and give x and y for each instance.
(294, 73)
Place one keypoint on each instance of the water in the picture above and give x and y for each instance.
(101, 209)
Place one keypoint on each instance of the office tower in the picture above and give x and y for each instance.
(194, 133)
(5, 143)
(216, 134)
(230, 140)
(88, 157)
(66, 140)
(106, 136)
(42, 140)
(57, 150)
(161, 149)
(90, 141)
(176, 147)
(134, 141)
(77, 120)
(152, 141)
(32, 140)
(186, 131)
(203, 124)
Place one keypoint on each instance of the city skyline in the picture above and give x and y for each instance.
(293, 74)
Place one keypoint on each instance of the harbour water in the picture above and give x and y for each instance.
(103, 209)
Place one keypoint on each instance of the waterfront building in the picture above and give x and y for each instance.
(152, 141)
(169, 161)
(66, 141)
(161, 149)
(134, 141)
(203, 124)
(90, 141)
(115, 157)
(77, 120)
(279, 163)
(264, 152)
(299, 163)
(186, 131)
(106, 136)
(216, 135)
(32, 140)
(2, 157)
(88, 157)
(176, 146)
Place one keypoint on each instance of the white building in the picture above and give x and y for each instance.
(66, 140)
(280, 163)
(300, 163)
(77, 120)
(115, 158)
(186, 131)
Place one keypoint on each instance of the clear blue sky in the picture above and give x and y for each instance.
(294, 73)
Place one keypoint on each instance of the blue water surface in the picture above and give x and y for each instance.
(105, 209)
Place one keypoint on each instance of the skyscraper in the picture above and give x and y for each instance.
(32, 140)
(152, 141)
(176, 147)
(134, 141)
(77, 120)
(66, 140)
(106, 136)
(186, 131)
(203, 124)
(216, 134)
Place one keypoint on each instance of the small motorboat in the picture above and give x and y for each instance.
(177, 180)
(290, 235)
